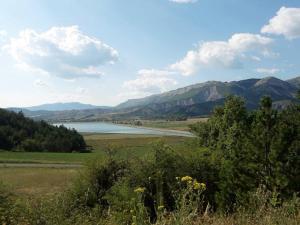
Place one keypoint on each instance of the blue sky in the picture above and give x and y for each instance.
(106, 51)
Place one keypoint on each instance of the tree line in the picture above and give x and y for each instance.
(252, 149)
(18, 133)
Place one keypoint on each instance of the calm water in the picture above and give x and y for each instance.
(108, 128)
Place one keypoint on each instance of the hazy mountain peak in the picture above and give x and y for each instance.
(61, 106)
(251, 89)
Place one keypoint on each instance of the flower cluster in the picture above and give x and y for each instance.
(186, 179)
(195, 184)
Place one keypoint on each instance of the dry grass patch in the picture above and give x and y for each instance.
(37, 181)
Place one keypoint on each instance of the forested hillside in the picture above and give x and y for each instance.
(20, 133)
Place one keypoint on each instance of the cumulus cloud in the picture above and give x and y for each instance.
(3, 35)
(62, 51)
(40, 83)
(81, 90)
(270, 71)
(183, 1)
(286, 23)
(225, 54)
(149, 82)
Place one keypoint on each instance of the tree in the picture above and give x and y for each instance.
(263, 134)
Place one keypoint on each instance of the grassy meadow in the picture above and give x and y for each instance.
(182, 125)
(37, 182)
(124, 145)
(26, 181)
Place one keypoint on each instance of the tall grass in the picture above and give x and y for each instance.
(104, 195)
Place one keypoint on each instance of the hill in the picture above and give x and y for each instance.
(295, 81)
(200, 99)
(250, 89)
(23, 134)
(64, 106)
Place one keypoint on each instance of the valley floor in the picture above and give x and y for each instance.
(32, 173)
(180, 125)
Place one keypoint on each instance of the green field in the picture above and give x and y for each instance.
(124, 146)
(173, 125)
(36, 181)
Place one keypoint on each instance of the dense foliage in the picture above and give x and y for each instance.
(260, 148)
(20, 133)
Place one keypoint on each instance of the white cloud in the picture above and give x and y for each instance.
(225, 54)
(149, 82)
(62, 51)
(81, 90)
(245, 41)
(3, 38)
(286, 23)
(3, 35)
(40, 83)
(183, 1)
(268, 70)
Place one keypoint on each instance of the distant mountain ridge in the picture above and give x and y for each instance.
(191, 101)
(64, 106)
(250, 89)
(295, 81)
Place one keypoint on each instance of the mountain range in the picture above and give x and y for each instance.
(191, 101)
(64, 106)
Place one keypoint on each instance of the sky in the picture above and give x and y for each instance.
(104, 52)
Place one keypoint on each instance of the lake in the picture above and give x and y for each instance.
(109, 128)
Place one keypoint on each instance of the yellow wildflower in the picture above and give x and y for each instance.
(186, 179)
(139, 190)
(203, 186)
(196, 185)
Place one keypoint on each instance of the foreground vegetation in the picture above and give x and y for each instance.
(243, 169)
(18, 133)
(120, 193)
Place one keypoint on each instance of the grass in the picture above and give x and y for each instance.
(126, 146)
(34, 182)
(173, 125)
(37, 181)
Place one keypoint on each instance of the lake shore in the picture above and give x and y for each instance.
(111, 128)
